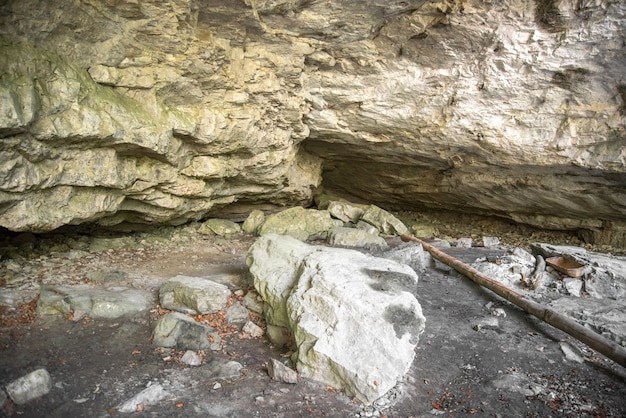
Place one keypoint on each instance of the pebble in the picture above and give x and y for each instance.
(217, 386)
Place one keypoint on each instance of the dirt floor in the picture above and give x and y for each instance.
(466, 364)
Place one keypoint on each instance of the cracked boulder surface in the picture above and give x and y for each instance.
(165, 112)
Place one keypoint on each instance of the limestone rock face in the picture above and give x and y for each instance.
(169, 111)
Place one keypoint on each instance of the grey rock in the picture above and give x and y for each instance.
(573, 286)
(353, 237)
(253, 302)
(571, 352)
(335, 302)
(490, 242)
(220, 370)
(278, 371)
(191, 358)
(112, 302)
(516, 383)
(237, 313)
(193, 295)
(151, 395)
(30, 386)
(179, 331)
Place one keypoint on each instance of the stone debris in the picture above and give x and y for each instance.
(384, 221)
(516, 383)
(193, 295)
(253, 330)
(191, 358)
(151, 395)
(279, 372)
(354, 318)
(81, 299)
(345, 211)
(29, 387)
(220, 370)
(177, 330)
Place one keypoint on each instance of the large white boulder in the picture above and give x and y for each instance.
(354, 318)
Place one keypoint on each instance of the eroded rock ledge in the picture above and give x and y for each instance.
(165, 112)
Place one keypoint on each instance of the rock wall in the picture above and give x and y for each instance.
(163, 112)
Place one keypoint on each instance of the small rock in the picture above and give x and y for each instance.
(490, 242)
(30, 386)
(353, 237)
(104, 276)
(237, 313)
(149, 396)
(573, 286)
(217, 370)
(278, 371)
(217, 386)
(253, 329)
(191, 358)
(254, 220)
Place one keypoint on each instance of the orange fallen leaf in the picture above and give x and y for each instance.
(136, 352)
(179, 404)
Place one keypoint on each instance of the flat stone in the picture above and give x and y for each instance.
(112, 302)
(345, 211)
(179, 331)
(196, 295)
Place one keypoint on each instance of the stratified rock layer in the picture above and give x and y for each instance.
(169, 111)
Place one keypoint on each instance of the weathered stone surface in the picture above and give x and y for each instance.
(299, 223)
(97, 303)
(30, 386)
(515, 109)
(354, 237)
(345, 211)
(222, 227)
(354, 318)
(179, 331)
(195, 295)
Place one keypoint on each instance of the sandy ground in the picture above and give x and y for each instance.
(466, 363)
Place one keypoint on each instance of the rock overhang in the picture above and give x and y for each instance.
(513, 111)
